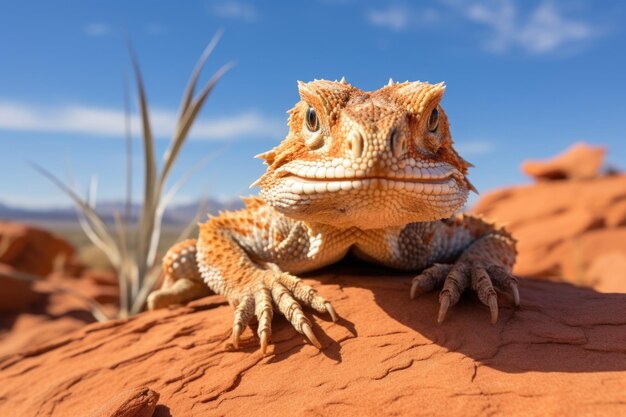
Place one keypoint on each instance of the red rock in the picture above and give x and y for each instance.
(561, 353)
(53, 315)
(33, 250)
(99, 285)
(528, 203)
(562, 227)
(580, 161)
(37, 313)
(616, 214)
(137, 402)
(13, 240)
(576, 256)
(15, 294)
(104, 278)
(554, 228)
(608, 272)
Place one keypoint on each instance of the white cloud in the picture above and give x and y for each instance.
(97, 29)
(473, 148)
(98, 121)
(542, 30)
(235, 10)
(547, 30)
(395, 18)
(398, 18)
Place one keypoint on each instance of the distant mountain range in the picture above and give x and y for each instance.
(175, 215)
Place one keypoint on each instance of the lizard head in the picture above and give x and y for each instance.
(362, 159)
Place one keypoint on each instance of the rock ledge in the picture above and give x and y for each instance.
(562, 353)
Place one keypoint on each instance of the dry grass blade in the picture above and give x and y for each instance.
(186, 120)
(128, 137)
(166, 200)
(193, 81)
(89, 230)
(168, 197)
(99, 227)
(94, 238)
(148, 140)
(97, 310)
(151, 278)
(124, 280)
(184, 124)
(149, 204)
(91, 192)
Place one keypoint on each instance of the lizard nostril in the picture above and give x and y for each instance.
(397, 143)
(355, 144)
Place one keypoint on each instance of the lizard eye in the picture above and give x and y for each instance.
(433, 120)
(312, 122)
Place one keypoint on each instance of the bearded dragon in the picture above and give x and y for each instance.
(370, 173)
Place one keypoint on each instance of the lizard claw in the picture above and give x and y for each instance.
(414, 286)
(444, 305)
(333, 314)
(456, 278)
(275, 288)
(264, 340)
(237, 330)
(429, 279)
(515, 292)
(308, 332)
(493, 308)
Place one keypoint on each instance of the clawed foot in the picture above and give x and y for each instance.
(456, 278)
(281, 290)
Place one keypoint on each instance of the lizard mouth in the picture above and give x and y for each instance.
(439, 179)
(441, 185)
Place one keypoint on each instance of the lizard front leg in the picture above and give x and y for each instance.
(474, 254)
(228, 265)
(182, 282)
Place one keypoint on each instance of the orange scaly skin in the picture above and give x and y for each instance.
(371, 173)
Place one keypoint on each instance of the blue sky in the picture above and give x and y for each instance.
(525, 79)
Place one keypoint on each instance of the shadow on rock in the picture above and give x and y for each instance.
(558, 327)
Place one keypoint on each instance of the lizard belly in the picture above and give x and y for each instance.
(383, 247)
(314, 250)
(301, 266)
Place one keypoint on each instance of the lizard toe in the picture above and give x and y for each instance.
(307, 295)
(481, 284)
(290, 308)
(505, 282)
(430, 279)
(264, 312)
(243, 313)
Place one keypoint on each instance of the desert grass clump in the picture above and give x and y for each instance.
(132, 248)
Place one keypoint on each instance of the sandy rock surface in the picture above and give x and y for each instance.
(562, 353)
(50, 316)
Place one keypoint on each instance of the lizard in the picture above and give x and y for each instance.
(371, 173)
